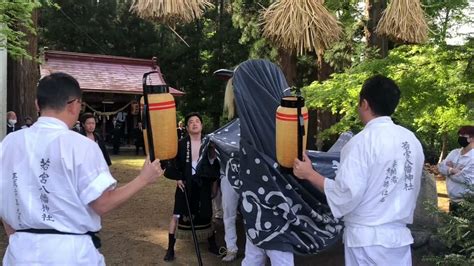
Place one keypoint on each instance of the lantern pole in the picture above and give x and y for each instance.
(300, 123)
(147, 120)
(151, 152)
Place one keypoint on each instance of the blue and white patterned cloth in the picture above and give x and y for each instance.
(280, 212)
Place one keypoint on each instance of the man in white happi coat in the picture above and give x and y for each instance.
(55, 184)
(378, 181)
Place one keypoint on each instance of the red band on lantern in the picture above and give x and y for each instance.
(162, 105)
(287, 117)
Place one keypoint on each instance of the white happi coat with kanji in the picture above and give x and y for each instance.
(49, 175)
(377, 185)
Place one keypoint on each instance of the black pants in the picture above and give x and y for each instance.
(200, 204)
(137, 149)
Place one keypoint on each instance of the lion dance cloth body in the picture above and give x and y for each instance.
(280, 212)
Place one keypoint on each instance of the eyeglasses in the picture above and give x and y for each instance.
(73, 100)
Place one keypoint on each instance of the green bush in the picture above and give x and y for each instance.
(456, 231)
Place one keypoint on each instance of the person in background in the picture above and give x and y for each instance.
(121, 123)
(181, 130)
(88, 129)
(28, 122)
(117, 138)
(196, 184)
(458, 167)
(139, 141)
(55, 184)
(377, 183)
(11, 122)
(77, 127)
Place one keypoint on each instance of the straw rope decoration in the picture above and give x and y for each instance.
(170, 11)
(403, 21)
(304, 25)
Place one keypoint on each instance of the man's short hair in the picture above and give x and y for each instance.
(56, 89)
(466, 130)
(382, 94)
(188, 116)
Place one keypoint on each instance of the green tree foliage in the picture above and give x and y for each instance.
(246, 18)
(456, 231)
(444, 14)
(350, 50)
(437, 92)
(226, 36)
(213, 45)
(107, 27)
(103, 27)
(15, 23)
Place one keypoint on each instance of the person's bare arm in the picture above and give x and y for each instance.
(112, 199)
(8, 229)
(304, 170)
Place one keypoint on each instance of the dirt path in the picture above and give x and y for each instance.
(137, 233)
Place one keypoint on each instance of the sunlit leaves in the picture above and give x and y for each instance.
(15, 22)
(436, 92)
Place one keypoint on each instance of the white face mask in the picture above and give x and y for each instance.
(11, 121)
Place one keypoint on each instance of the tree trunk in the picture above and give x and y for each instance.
(445, 24)
(324, 69)
(312, 138)
(320, 119)
(287, 62)
(444, 146)
(374, 9)
(216, 116)
(22, 78)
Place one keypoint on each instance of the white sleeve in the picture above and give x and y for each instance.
(465, 176)
(93, 175)
(346, 191)
(442, 167)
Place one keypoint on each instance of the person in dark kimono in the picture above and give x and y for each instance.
(138, 136)
(88, 129)
(116, 138)
(181, 130)
(197, 183)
